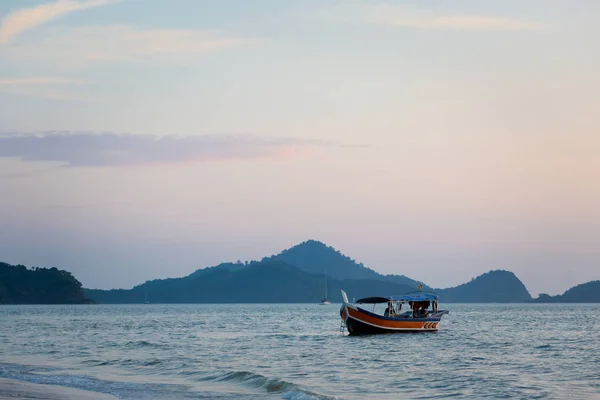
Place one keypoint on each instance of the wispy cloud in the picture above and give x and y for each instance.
(22, 20)
(72, 48)
(41, 81)
(112, 149)
(418, 18)
(43, 87)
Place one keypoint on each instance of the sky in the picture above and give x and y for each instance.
(144, 139)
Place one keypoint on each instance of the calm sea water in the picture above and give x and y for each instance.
(297, 352)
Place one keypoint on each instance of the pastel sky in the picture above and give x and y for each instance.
(144, 139)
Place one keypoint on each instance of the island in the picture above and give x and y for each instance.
(304, 273)
(22, 285)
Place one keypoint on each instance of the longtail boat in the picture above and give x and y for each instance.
(419, 317)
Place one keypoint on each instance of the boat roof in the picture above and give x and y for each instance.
(414, 296)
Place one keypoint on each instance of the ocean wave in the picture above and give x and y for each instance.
(288, 390)
(144, 343)
(300, 395)
(250, 379)
(119, 389)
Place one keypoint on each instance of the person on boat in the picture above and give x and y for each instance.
(417, 312)
(389, 311)
(420, 309)
(415, 306)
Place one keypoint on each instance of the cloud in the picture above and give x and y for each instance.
(19, 21)
(113, 149)
(38, 93)
(72, 48)
(43, 87)
(41, 81)
(413, 17)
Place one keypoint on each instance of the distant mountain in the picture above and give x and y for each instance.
(585, 293)
(492, 287)
(293, 276)
(269, 281)
(223, 266)
(405, 280)
(316, 257)
(273, 281)
(297, 275)
(260, 282)
(20, 285)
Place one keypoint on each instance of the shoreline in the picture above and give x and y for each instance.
(14, 389)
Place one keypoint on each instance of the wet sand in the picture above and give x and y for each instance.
(11, 389)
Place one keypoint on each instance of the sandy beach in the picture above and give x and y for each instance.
(12, 389)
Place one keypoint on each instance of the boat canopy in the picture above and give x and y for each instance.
(416, 296)
(373, 300)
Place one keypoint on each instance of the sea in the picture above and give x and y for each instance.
(296, 351)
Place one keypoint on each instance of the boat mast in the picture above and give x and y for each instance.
(325, 282)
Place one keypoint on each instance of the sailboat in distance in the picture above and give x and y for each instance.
(325, 300)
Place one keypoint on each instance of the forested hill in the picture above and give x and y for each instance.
(492, 287)
(20, 285)
(273, 281)
(296, 275)
(585, 293)
(317, 258)
(269, 281)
